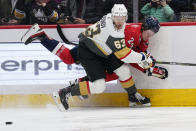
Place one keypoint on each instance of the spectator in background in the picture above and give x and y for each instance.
(65, 11)
(38, 11)
(129, 5)
(6, 12)
(192, 5)
(141, 4)
(178, 6)
(19, 11)
(84, 11)
(107, 6)
(159, 9)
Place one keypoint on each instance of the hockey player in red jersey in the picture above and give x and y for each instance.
(70, 56)
(137, 38)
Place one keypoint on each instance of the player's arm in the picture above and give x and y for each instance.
(130, 56)
(142, 47)
(155, 71)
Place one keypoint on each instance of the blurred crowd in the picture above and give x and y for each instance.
(25, 12)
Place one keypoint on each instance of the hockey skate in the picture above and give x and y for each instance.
(61, 98)
(34, 33)
(138, 98)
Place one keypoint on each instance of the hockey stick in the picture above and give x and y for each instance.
(60, 32)
(176, 63)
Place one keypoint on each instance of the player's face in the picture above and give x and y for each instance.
(119, 21)
(147, 34)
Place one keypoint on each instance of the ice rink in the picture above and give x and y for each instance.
(99, 119)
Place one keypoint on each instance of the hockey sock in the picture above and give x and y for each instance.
(131, 93)
(75, 90)
(74, 53)
(127, 83)
(131, 90)
(49, 44)
(84, 87)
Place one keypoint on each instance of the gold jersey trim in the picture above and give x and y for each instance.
(122, 53)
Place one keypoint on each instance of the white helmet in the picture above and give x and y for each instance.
(119, 10)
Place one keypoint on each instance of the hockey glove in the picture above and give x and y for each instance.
(157, 71)
(146, 61)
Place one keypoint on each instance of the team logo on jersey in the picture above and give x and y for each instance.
(40, 15)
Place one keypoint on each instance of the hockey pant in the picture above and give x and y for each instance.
(98, 86)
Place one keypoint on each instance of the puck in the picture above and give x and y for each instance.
(8, 122)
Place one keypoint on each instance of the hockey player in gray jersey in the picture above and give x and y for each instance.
(102, 48)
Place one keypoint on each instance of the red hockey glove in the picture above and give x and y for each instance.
(157, 71)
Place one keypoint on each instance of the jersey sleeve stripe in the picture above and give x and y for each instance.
(100, 48)
(58, 49)
(123, 53)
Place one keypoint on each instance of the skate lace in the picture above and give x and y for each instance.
(139, 96)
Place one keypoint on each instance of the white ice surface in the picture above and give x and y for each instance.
(99, 119)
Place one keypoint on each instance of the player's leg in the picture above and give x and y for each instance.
(54, 46)
(95, 70)
(109, 77)
(128, 84)
(123, 72)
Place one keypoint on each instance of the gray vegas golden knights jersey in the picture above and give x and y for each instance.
(104, 39)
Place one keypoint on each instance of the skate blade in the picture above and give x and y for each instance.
(132, 104)
(32, 30)
(56, 98)
(136, 105)
(81, 98)
(147, 105)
